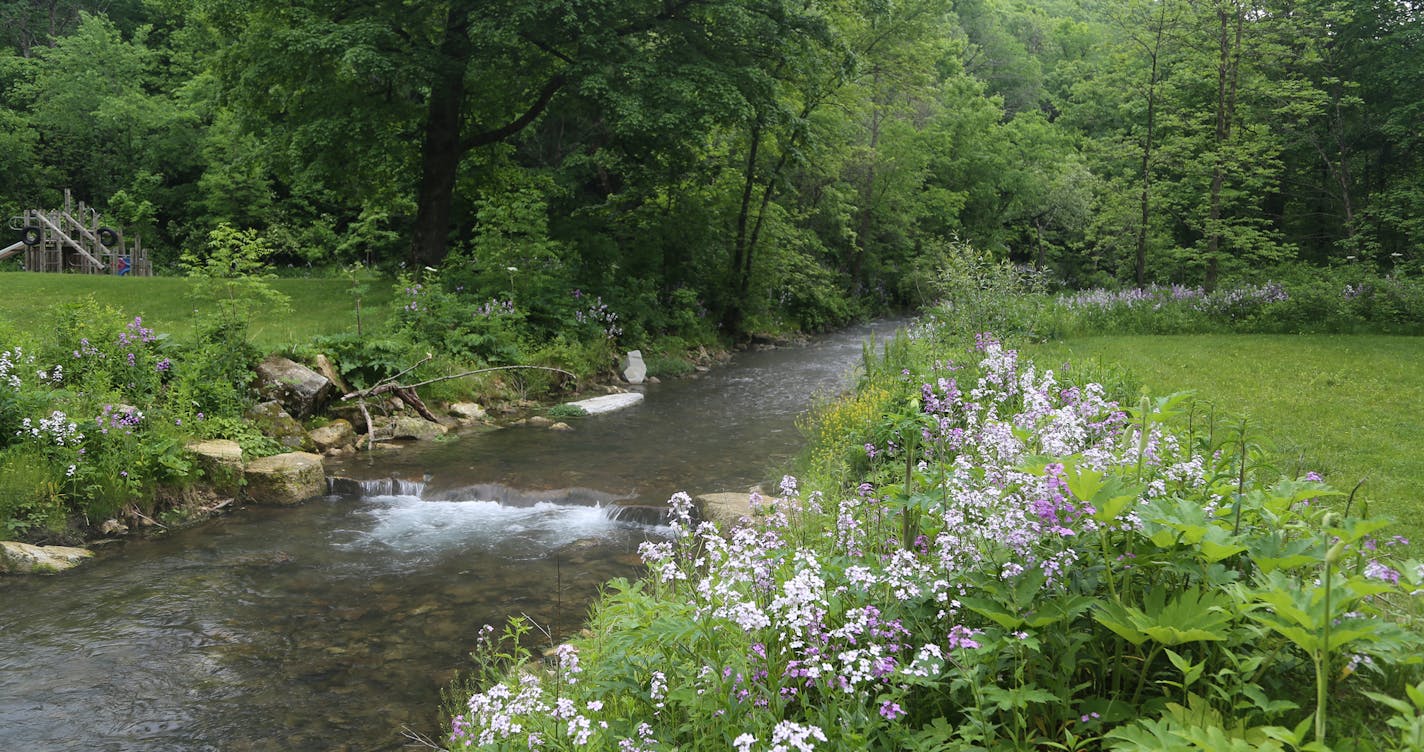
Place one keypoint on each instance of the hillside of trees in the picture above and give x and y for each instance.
(732, 161)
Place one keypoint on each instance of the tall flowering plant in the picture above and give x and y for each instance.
(1027, 564)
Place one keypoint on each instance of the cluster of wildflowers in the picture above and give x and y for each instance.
(414, 297)
(120, 418)
(10, 362)
(598, 315)
(1159, 296)
(843, 622)
(493, 307)
(123, 358)
(56, 429)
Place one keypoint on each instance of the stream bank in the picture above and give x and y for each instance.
(335, 624)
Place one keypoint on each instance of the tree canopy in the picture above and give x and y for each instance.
(741, 161)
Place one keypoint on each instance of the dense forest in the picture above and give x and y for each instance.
(732, 161)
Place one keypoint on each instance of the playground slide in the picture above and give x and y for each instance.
(7, 251)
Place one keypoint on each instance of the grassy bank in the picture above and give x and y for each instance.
(1347, 407)
(979, 556)
(320, 306)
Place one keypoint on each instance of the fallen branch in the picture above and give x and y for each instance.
(407, 391)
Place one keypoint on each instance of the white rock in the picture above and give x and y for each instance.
(608, 402)
(634, 370)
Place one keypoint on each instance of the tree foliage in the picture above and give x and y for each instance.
(756, 163)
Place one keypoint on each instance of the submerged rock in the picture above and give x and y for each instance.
(24, 558)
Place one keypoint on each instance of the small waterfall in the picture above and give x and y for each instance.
(356, 488)
(639, 514)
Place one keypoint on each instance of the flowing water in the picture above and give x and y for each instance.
(335, 624)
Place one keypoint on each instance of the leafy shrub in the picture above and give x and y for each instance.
(566, 411)
(454, 322)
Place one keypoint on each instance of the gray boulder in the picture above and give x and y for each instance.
(411, 427)
(23, 558)
(468, 411)
(634, 370)
(285, 478)
(301, 390)
(272, 420)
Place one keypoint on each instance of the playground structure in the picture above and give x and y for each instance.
(73, 240)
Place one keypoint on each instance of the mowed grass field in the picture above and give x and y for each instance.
(318, 306)
(1350, 407)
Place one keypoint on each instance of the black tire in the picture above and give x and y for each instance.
(108, 236)
(31, 236)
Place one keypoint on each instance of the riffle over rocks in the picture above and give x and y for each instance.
(23, 558)
(285, 478)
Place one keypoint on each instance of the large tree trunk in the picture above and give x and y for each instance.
(1228, 64)
(441, 150)
(865, 227)
(1140, 266)
(735, 307)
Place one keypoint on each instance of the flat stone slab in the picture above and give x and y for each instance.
(608, 402)
(726, 510)
(23, 558)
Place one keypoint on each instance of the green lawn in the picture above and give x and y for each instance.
(319, 306)
(1347, 406)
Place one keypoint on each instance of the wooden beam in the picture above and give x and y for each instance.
(71, 242)
(92, 237)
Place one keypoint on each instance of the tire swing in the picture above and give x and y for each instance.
(108, 236)
(31, 236)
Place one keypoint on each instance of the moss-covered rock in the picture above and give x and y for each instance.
(334, 435)
(285, 478)
(272, 420)
(23, 558)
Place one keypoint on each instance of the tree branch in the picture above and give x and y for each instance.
(495, 135)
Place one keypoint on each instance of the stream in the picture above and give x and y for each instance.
(334, 625)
